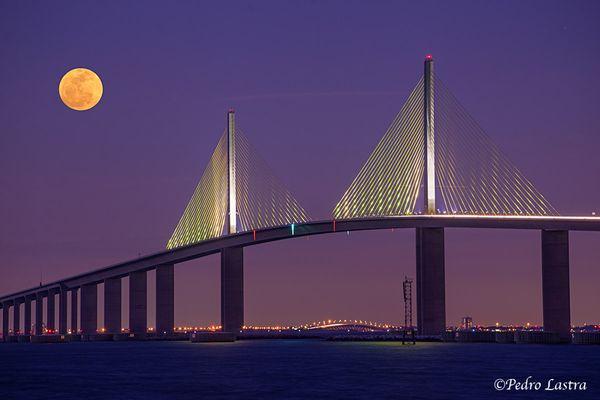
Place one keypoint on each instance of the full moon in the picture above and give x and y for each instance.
(80, 89)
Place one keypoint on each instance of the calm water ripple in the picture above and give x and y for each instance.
(289, 369)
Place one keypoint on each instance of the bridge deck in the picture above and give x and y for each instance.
(250, 238)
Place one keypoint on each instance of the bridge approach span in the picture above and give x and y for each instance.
(212, 246)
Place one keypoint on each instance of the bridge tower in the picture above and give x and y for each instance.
(429, 135)
(231, 186)
(431, 281)
(234, 172)
(232, 258)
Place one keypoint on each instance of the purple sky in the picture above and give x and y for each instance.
(314, 85)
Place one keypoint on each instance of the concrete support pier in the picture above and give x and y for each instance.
(555, 283)
(232, 289)
(27, 319)
(431, 285)
(62, 311)
(89, 309)
(39, 313)
(138, 320)
(112, 305)
(165, 299)
(50, 311)
(5, 308)
(74, 306)
(16, 317)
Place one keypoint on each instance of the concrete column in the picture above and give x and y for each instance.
(112, 305)
(50, 311)
(16, 317)
(431, 290)
(39, 313)
(27, 320)
(5, 308)
(74, 303)
(62, 311)
(232, 289)
(89, 309)
(165, 298)
(555, 283)
(138, 319)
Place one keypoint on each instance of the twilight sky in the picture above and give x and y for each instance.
(314, 85)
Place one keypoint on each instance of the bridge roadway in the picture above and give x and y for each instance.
(429, 244)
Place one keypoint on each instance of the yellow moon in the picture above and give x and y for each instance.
(80, 89)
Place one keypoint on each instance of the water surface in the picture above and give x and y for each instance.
(288, 369)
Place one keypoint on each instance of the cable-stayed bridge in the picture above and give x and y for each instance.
(434, 168)
(237, 193)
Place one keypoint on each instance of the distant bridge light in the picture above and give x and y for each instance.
(293, 229)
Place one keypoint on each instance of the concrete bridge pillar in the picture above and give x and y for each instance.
(89, 309)
(555, 283)
(50, 311)
(27, 316)
(62, 311)
(17, 317)
(431, 284)
(165, 298)
(138, 318)
(5, 309)
(232, 289)
(39, 313)
(112, 305)
(74, 306)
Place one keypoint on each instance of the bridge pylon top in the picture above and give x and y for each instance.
(237, 192)
(435, 150)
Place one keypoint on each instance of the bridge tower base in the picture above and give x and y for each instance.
(431, 291)
(555, 283)
(232, 289)
(165, 299)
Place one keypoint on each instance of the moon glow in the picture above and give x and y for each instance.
(80, 89)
